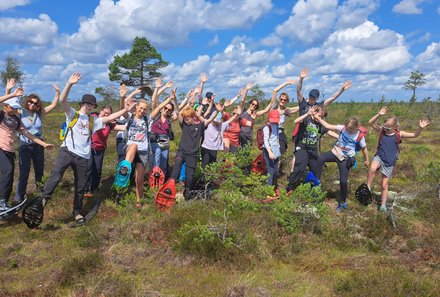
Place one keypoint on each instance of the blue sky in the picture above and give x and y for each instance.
(376, 44)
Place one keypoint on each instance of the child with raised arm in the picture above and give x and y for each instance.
(388, 150)
(193, 126)
(343, 153)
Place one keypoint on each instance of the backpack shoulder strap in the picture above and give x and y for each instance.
(91, 123)
(398, 137)
(2, 115)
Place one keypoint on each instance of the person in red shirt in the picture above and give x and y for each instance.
(231, 136)
(98, 146)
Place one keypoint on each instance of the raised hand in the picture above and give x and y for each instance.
(123, 90)
(204, 77)
(383, 111)
(238, 110)
(18, 92)
(290, 81)
(10, 83)
(158, 82)
(56, 88)
(304, 72)
(312, 110)
(129, 104)
(346, 85)
(173, 93)
(219, 107)
(74, 78)
(169, 84)
(424, 123)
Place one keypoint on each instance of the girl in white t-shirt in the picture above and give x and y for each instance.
(343, 153)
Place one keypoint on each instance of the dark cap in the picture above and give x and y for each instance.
(209, 95)
(314, 93)
(89, 98)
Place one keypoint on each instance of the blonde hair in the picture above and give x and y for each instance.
(188, 112)
(351, 123)
(142, 101)
(392, 121)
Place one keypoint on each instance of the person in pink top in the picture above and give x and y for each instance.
(9, 124)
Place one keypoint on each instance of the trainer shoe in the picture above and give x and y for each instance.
(123, 170)
(342, 206)
(383, 208)
(4, 205)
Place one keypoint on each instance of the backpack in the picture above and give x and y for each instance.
(260, 136)
(362, 133)
(65, 129)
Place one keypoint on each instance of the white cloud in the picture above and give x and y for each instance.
(5, 4)
(429, 60)
(271, 40)
(355, 12)
(310, 22)
(408, 7)
(39, 31)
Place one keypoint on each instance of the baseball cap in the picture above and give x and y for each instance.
(13, 102)
(209, 95)
(314, 93)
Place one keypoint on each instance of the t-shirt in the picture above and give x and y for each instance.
(304, 106)
(245, 130)
(233, 133)
(388, 149)
(78, 140)
(345, 146)
(191, 136)
(8, 126)
(99, 138)
(310, 131)
(137, 133)
(32, 123)
(272, 140)
(158, 127)
(213, 139)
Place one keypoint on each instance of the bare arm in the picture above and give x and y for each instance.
(203, 80)
(243, 98)
(332, 134)
(122, 95)
(156, 111)
(304, 73)
(129, 104)
(218, 108)
(208, 110)
(37, 140)
(266, 110)
(374, 119)
(73, 79)
(155, 96)
(326, 125)
(233, 99)
(366, 158)
(234, 116)
(10, 84)
(344, 87)
(422, 125)
(17, 93)
(55, 99)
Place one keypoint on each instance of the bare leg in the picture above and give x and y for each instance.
(130, 153)
(292, 166)
(384, 190)
(140, 172)
(374, 166)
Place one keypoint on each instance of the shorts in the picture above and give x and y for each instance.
(385, 170)
(142, 157)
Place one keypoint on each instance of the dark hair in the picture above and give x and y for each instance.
(258, 103)
(34, 96)
(285, 94)
(107, 107)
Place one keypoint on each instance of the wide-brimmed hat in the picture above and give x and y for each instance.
(88, 98)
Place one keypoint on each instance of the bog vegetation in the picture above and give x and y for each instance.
(228, 243)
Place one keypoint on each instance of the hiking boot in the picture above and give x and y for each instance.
(123, 170)
(342, 206)
(4, 205)
(383, 208)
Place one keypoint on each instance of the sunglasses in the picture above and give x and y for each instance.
(284, 99)
(254, 104)
(168, 109)
(386, 128)
(32, 102)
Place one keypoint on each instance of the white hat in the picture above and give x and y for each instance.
(13, 102)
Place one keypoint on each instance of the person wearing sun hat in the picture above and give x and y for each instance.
(271, 146)
(9, 124)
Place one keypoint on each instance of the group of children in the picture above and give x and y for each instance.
(143, 139)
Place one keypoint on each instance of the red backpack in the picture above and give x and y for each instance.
(260, 136)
